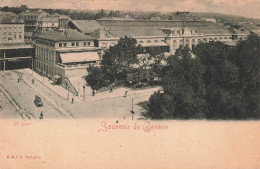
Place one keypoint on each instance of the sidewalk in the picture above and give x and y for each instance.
(62, 92)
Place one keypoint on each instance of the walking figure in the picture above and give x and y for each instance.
(41, 115)
(111, 89)
(18, 80)
(72, 100)
(126, 93)
(32, 81)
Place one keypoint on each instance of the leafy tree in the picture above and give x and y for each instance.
(95, 78)
(157, 55)
(246, 56)
(117, 59)
(182, 88)
(220, 79)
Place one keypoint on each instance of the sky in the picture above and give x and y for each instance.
(247, 8)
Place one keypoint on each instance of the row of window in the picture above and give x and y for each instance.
(42, 67)
(27, 17)
(105, 45)
(45, 54)
(75, 44)
(10, 27)
(10, 33)
(13, 37)
(149, 41)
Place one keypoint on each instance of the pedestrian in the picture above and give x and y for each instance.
(18, 80)
(32, 81)
(72, 100)
(126, 93)
(41, 115)
(111, 89)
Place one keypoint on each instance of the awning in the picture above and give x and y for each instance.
(79, 57)
(57, 77)
(154, 44)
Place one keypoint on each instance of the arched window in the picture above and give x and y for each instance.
(215, 39)
(155, 41)
(148, 41)
(220, 38)
(210, 39)
(181, 42)
(112, 44)
(104, 45)
(141, 42)
(205, 40)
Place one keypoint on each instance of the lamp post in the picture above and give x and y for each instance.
(67, 87)
(132, 111)
(4, 60)
(83, 93)
(32, 66)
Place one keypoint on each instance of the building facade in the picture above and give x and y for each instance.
(66, 54)
(11, 31)
(30, 19)
(167, 35)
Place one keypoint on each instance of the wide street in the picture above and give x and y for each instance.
(23, 93)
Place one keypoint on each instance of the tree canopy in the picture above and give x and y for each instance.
(221, 82)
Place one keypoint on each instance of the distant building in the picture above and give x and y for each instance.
(48, 22)
(51, 22)
(209, 20)
(14, 53)
(65, 54)
(8, 14)
(177, 16)
(156, 18)
(30, 18)
(11, 30)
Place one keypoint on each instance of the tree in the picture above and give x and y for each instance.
(157, 55)
(95, 78)
(246, 56)
(182, 89)
(117, 59)
(220, 79)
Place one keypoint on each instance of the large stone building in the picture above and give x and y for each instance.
(167, 35)
(11, 30)
(14, 53)
(64, 55)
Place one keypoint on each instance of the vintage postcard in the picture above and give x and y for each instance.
(112, 84)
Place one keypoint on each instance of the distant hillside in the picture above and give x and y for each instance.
(226, 18)
(97, 14)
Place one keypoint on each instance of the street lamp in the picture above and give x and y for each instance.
(4, 60)
(67, 87)
(83, 93)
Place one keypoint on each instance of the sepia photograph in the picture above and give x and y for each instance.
(130, 84)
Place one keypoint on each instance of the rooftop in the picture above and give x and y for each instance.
(7, 14)
(86, 26)
(153, 28)
(64, 35)
(10, 20)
